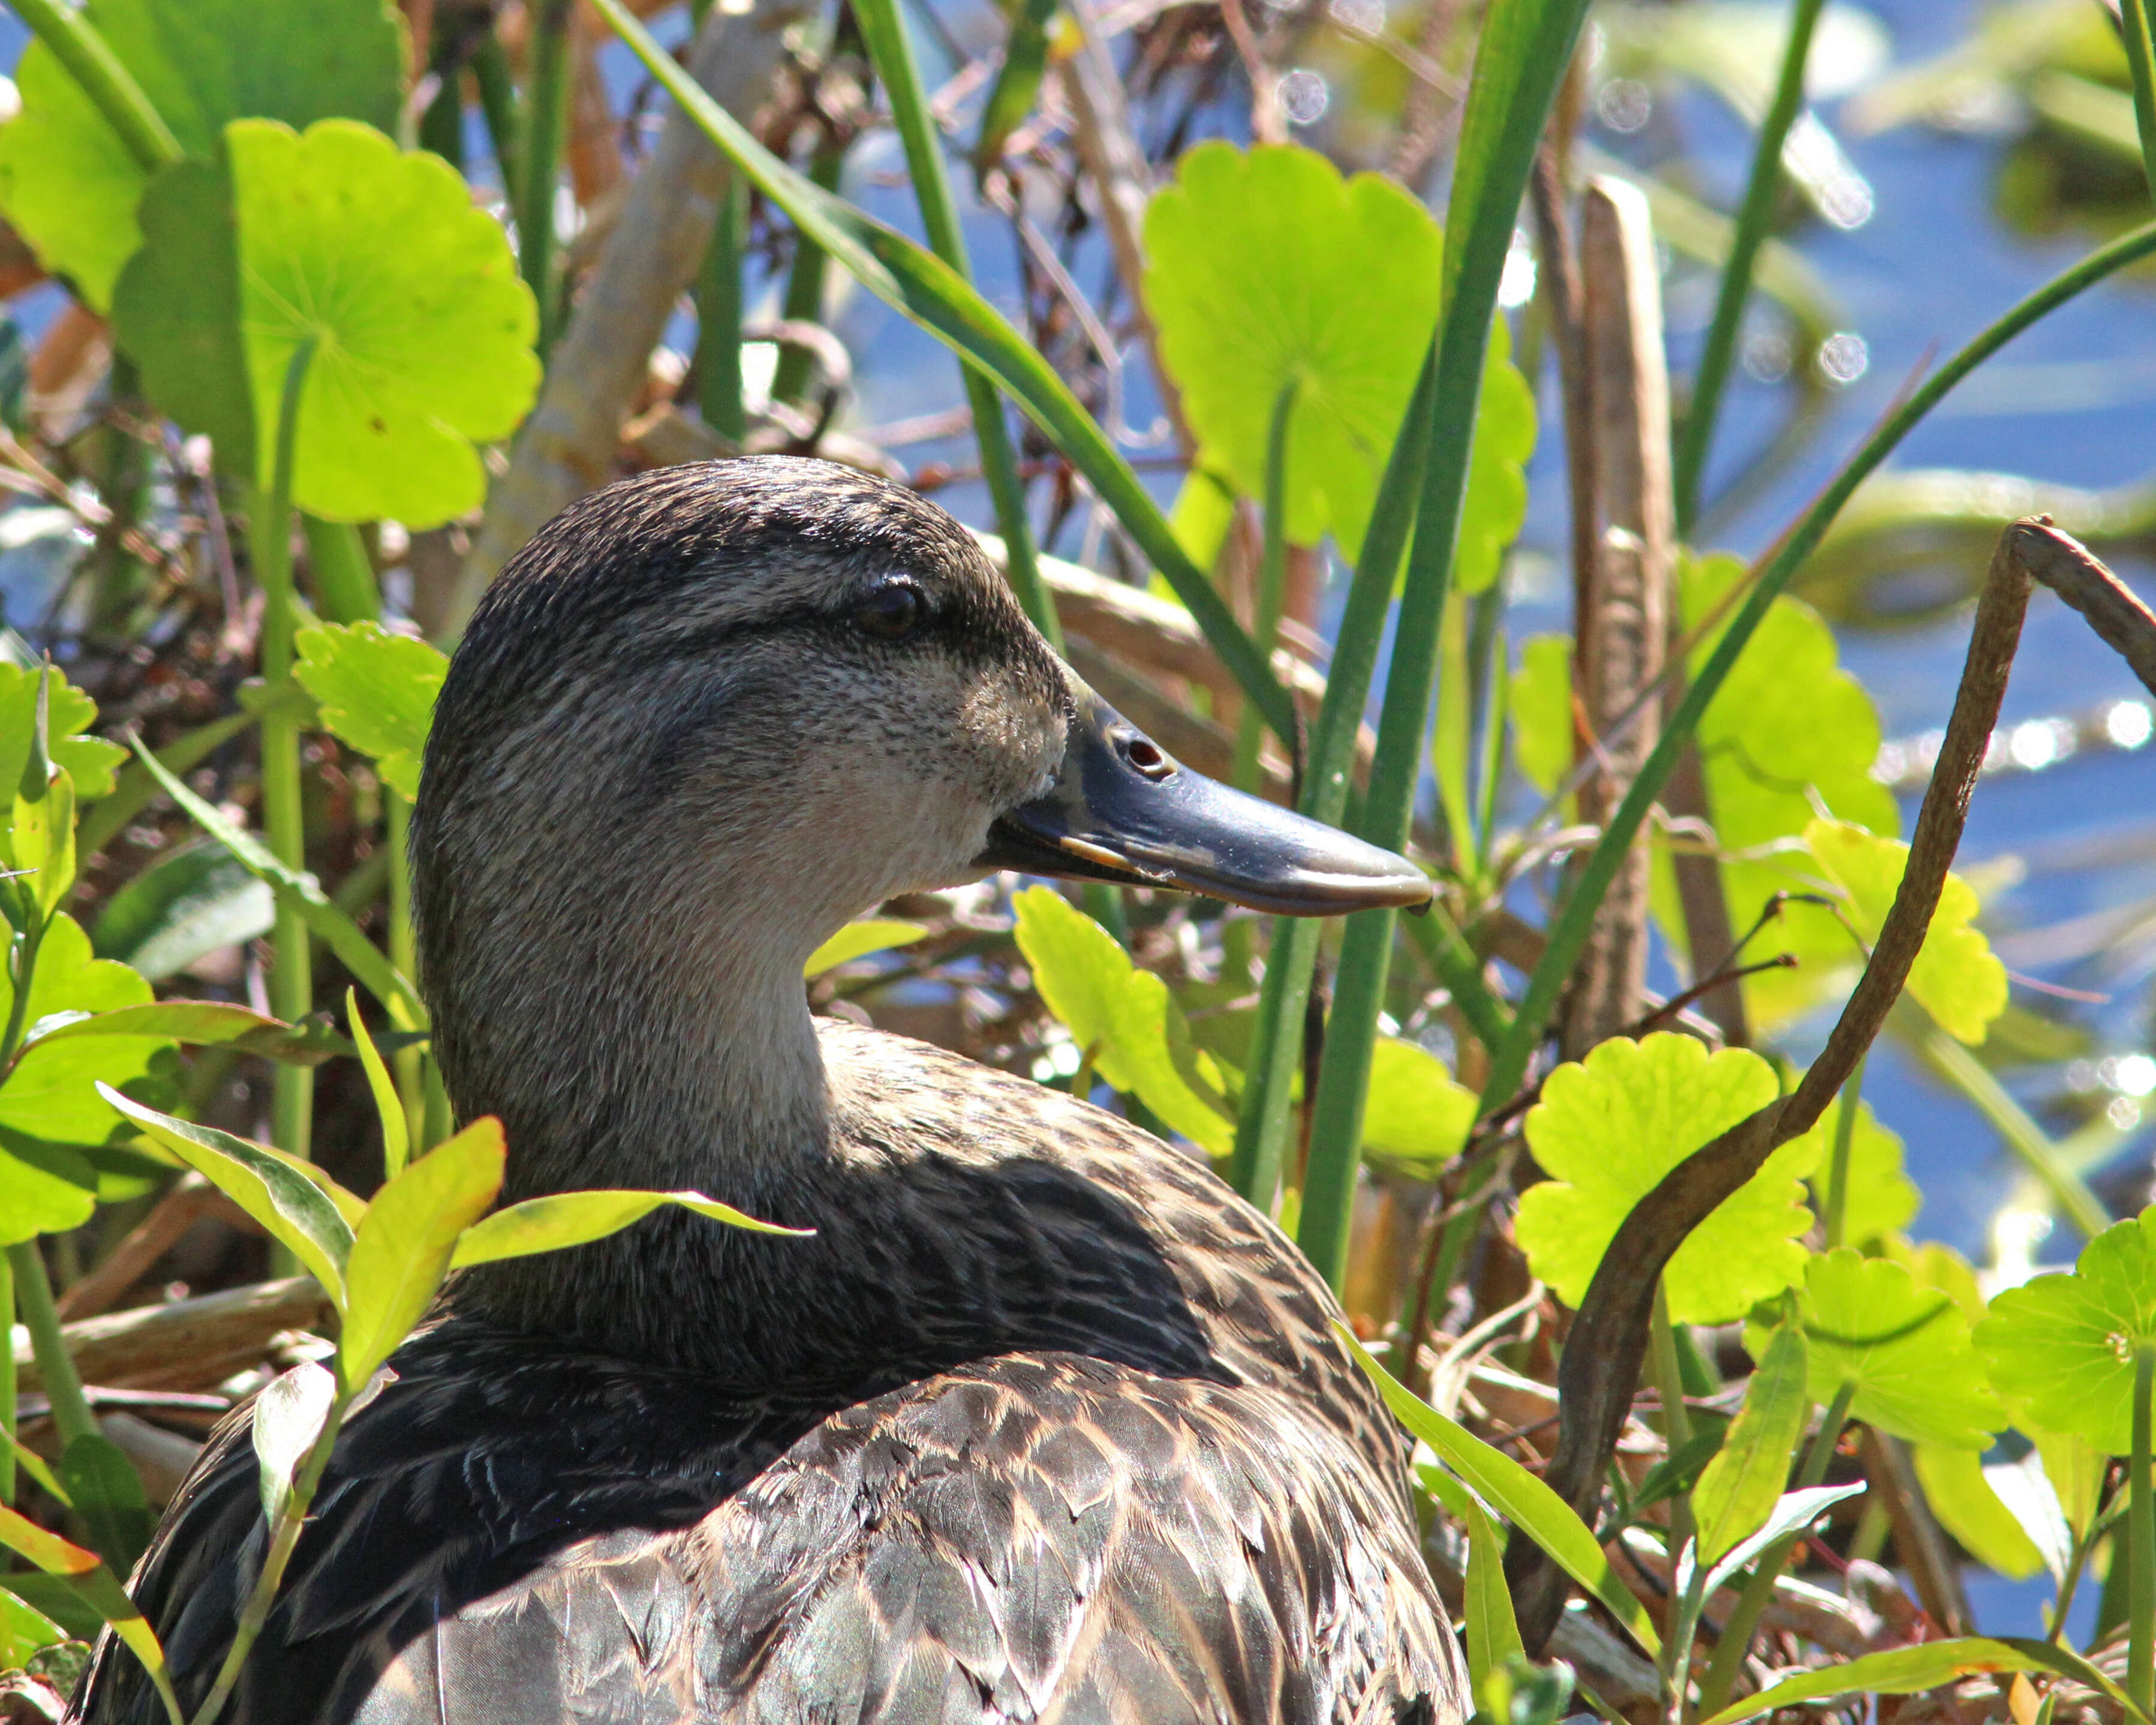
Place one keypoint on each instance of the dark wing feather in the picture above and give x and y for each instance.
(1052, 1537)
(1044, 1538)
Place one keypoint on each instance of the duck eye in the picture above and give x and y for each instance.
(892, 611)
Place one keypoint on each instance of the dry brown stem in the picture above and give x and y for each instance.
(1622, 628)
(2076, 575)
(183, 1340)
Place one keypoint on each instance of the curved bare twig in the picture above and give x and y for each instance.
(1609, 1339)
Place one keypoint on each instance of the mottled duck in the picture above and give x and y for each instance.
(1043, 1423)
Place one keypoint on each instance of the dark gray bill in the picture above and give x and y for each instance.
(1123, 810)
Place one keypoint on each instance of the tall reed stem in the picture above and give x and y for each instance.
(719, 316)
(885, 32)
(1276, 1048)
(539, 160)
(269, 540)
(33, 1301)
(2141, 1538)
(1503, 122)
(1754, 216)
(90, 60)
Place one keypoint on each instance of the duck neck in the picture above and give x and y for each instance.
(680, 1065)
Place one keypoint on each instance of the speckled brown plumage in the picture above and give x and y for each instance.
(1044, 1424)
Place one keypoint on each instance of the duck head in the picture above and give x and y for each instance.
(711, 713)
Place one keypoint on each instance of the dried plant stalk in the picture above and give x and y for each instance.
(1623, 632)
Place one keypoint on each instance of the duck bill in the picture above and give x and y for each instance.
(1123, 810)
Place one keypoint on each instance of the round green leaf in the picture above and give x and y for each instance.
(1266, 267)
(71, 188)
(376, 691)
(51, 1094)
(2063, 1346)
(1606, 1132)
(423, 328)
(45, 1188)
(1905, 1347)
(89, 761)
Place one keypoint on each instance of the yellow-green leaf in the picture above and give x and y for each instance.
(1415, 1111)
(1521, 1496)
(403, 1245)
(1606, 1131)
(290, 1207)
(2063, 1346)
(1905, 1348)
(1788, 727)
(573, 1218)
(858, 939)
(1958, 1487)
(1957, 978)
(376, 692)
(1122, 1016)
(1738, 1489)
(1540, 708)
(1882, 1200)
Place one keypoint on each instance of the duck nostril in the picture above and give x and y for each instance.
(1145, 754)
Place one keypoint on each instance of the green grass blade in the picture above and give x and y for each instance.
(2140, 58)
(1520, 1496)
(1524, 48)
(915, 282)
(1568, 932)
(885, 32)
(1754, 218)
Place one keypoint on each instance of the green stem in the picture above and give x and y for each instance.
(442, 126)
(805, 283)
(885, 32)
(545, 120)
(269, 533)
(1668, 1376)
(1272, 578)
(111, 88)
(1752, 1603)
(2141, 58)
(2027, 1139)
(1329, 1179)
(408, 1064)
(1276, 1048)
(1845, 1135)
(497, 107)
(2141, 1537)
(719, 316)
(33, 1301)
(1754, 216)
(1485, 204)
(289, 1526)
(8, 1424)
(1568, 933)
(344, 587)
